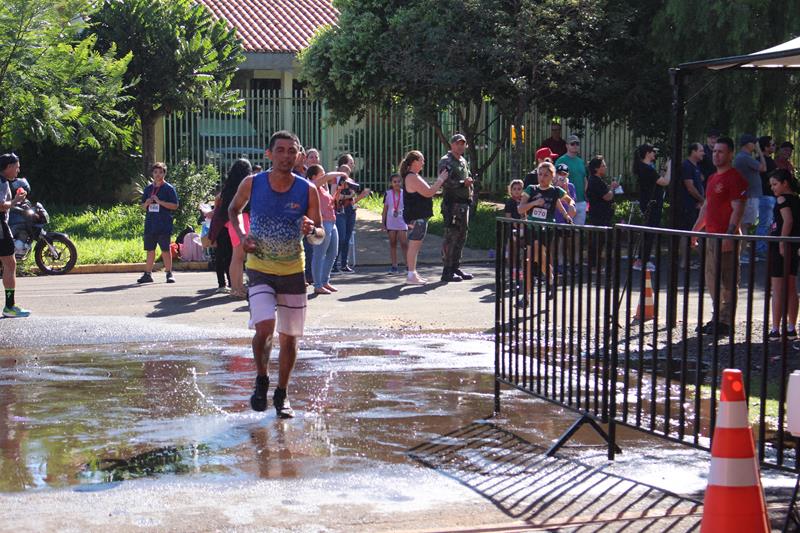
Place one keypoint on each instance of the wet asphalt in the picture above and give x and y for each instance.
(126, 407)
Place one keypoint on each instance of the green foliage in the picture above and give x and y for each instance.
(428, 56)
(182, 58)
(54, 85)
(194, 186)
(735, 101)
(71, 175)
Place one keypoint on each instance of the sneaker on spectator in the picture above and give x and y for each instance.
(393, 270)
(15, 312)
(170, 278)
(774, 334)
(347, 269)
(146, 278)
(637, 265)
(464, 275)
(791, 334)
(414, 279)
(651, 267)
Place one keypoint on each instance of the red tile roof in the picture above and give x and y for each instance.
(274, 25)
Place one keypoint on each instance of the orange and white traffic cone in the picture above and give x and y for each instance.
(649, 304)
(734, 499)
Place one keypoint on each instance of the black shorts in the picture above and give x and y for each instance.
(776, 260)
(162, 239)
(6, 240)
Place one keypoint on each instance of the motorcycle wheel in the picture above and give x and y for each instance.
(59, 263)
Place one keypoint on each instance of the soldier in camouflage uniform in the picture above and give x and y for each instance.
(456, 200)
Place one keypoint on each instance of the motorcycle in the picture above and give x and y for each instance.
(54, 252)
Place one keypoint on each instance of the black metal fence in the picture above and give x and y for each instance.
(577, 324)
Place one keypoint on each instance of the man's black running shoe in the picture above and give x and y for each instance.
(281, 402)
(258, 401)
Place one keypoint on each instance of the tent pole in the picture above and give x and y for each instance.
(676, 77)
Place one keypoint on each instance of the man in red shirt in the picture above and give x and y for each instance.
(726, 194)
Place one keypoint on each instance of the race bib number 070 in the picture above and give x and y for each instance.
(538, 212)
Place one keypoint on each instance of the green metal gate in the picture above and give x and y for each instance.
(378, 141)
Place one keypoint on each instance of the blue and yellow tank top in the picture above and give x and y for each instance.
(276, 225)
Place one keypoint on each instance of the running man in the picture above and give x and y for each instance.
(283, 208)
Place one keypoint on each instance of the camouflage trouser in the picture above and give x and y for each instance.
(456, 224)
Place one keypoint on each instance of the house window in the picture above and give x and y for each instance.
(265, 84)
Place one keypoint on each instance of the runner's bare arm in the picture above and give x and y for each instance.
(240, 200)
(312, 222)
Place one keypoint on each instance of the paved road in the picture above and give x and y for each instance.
(486, 478)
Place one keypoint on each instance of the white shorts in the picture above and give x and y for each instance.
(281, 296)
(751, 211)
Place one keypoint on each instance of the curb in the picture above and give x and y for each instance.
(136, 267)
(182, 266)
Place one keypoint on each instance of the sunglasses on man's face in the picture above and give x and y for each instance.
(574, 144)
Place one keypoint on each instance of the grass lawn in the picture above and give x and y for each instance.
(101, 234)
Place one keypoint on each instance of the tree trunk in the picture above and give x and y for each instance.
(148, 121)
(517, 146)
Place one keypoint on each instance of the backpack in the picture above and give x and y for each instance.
(191, 248)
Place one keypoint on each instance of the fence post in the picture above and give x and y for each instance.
(614, 325)
(498, 303)
(678, 111)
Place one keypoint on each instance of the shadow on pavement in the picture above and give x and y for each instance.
(525, 484)
(394, 292)
(115, 288)
(179, 305)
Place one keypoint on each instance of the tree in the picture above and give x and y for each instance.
(735, 101)
(428, 56)
(182, 59)
(54, 86)
(407, 54)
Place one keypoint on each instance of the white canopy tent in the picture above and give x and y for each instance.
(785, 56)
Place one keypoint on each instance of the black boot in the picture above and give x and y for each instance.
(463, 275)
(448, 275)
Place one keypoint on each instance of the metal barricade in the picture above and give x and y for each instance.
(646, 349)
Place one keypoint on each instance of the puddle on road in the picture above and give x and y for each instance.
(95, 416)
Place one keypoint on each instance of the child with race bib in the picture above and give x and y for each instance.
(540, 203)
(393, 222)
